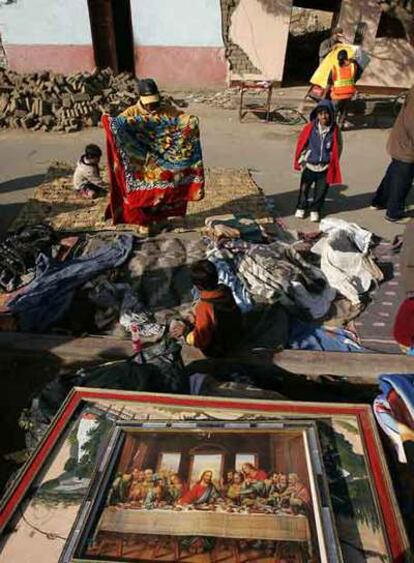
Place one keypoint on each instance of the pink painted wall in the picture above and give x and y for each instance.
(182, 66)
(58, 58)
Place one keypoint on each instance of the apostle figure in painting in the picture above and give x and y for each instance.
(136, 487)
(235, 489)
(227, 481)
(156, 496)
(203, 492)
(276, 492)
(299, 497)
(253, 473)
(176, 488)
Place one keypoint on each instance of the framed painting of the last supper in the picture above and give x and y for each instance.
(199, 494)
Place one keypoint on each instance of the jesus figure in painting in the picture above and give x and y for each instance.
(204, 491)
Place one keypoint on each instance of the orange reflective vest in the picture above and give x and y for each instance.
(343, 82)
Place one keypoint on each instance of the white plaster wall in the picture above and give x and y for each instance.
(392, 60)
(185, 23)
(262, 35)
(45, 22)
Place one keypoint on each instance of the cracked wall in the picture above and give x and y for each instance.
(255, 34)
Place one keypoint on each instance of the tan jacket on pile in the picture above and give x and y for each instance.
(401, 141)
(86, 174)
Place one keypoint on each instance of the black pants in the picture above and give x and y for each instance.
(320, 187)
(394, 188)
(341, 107)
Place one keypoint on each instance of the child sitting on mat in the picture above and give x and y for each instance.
(87, 179)
(216, 327)
(317, 155)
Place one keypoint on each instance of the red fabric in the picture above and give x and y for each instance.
(404, 323)
(193, 494)
(334, 175)
(142, 207)
(399, 409)
(258, 475)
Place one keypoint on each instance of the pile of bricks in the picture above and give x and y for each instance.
(53, 102)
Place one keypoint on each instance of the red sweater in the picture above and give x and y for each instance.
(218, 323)
(334, 175)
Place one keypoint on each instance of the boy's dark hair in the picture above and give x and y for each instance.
(204, 275)
(342, 56)
(93, 151)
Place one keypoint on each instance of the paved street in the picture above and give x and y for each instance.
(266, 149)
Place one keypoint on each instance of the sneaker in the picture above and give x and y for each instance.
(314, 217)
(376, 207)
(300, 214)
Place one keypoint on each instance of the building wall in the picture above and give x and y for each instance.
(392, 60)
(179, 42)
(260, 28)
(40, 34)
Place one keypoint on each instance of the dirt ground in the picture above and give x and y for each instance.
(265, 148)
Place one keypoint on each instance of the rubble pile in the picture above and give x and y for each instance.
(53, 102)
(226, 99)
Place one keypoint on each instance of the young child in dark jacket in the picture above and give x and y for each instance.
(317, 154)
(216, 327)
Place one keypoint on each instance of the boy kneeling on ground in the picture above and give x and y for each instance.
(216, 327)
(87, 179)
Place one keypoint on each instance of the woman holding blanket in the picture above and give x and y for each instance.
(317, 155)
(155, 161)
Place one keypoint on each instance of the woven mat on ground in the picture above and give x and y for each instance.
(57, 204)
(374, 326)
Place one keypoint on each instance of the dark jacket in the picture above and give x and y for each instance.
(320, 146)
(218, 323)
(327, 150)
(401, 140)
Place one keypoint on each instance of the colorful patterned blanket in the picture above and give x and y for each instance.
(155, 165)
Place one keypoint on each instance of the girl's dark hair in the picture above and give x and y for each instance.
(204, 275)
(93, 151)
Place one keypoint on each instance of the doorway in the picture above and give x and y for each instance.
(112, 35)
(311, 23)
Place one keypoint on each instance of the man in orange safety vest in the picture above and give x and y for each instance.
(342, 83)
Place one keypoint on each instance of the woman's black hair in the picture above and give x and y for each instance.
(204, 275)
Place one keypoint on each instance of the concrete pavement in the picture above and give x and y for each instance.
(266, 149)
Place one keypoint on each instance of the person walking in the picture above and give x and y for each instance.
(317, 154)
(396, 184)
(342, 83)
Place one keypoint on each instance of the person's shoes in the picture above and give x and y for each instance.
(400, 220)
(314, 217)
(377, 207)
(300, 214)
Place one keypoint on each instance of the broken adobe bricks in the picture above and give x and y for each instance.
(54, 102)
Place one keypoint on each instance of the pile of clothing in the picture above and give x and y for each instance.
(346, 260)
(44, 301)
(18, 253)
